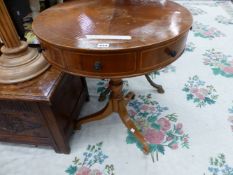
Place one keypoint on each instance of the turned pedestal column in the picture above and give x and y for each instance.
(18, 62)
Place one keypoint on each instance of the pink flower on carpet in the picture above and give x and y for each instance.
(200, 93)
(95, 172)
(84, 171)
(180, 131)
(164, 124)
(144, 107)
(132, 112)
(204, 91)
(153, 136)
(228, 69)
(179, 126)
(200, 96)
(169, 138)
(152, 109)
(194, 90)
(207, 33)
(186, 140)
(174, 146)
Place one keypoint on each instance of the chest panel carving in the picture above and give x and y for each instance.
(11, 123)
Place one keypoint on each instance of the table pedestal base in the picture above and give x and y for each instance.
(117, 103)
(158, 87)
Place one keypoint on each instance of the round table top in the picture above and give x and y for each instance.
(111, 25)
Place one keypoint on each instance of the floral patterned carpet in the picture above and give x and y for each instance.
(188, 128)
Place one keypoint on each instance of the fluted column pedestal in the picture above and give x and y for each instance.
(18, 62)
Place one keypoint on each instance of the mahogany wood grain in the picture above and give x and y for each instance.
(156, 30)
(38, 89)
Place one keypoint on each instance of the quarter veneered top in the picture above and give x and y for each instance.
(112, 24)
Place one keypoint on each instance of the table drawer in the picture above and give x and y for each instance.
(53, 55)
(154, 58)
(100, 64)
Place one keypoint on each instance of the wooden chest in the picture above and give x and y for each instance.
(42, 111)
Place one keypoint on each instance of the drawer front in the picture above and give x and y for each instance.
(162, 56)
(100, 64)
(53, 55)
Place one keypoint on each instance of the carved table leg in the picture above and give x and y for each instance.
(131, 126)
(107, 110)
(157, 86)
(117, 103)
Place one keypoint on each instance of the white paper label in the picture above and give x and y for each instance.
(110, 37)
(132, 130)
(103, 45)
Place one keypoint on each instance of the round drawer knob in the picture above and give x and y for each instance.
(173, 53)
(97, 66)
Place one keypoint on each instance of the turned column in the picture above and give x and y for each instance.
(18, 62)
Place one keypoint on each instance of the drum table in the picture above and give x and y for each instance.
(113, 39)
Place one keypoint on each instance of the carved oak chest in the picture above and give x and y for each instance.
(42, 111)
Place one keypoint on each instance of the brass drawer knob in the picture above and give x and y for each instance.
(173, 53)
(170, 52)
(98, 66)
